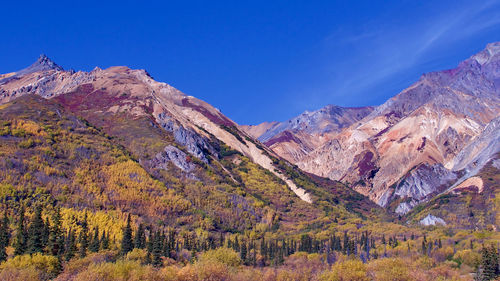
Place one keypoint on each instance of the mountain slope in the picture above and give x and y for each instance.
(171, 143)
(472, 204)
(120, 89)
(418, 143)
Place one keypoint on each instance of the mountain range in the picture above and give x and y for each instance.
(438, 137)
(433, 137)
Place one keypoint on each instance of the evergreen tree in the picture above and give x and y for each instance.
(104, 241)
(263, 249)
(56, 237)
(46, 232)
(280, 258)
(95, 242)
(127, 244)
(21, 235)
(83, 238)
(172, 241)
(140, 238)
(166, 247)
(346, 244)
(253, 259)
(488, 269)
(306, 243)
(236, 244)
(367, 248)
(4, 237)
(243, 252)
(36, 232)
(150, 242)
(221, 239)
(70, 247)
(156, 251)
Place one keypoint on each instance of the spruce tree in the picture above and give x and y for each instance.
(367, 248)
(21, 235)
(36, 232)
(95, 242)
(83, 238)
(104, 241)
(140, 238)
(171, 240)
(243, 252)
(221, 239)
(156, 251)
(46, 232)
(127, 244)
(345, 249)
(70, 247)
(236, 244)
(489, 264)
(4, 237)
(56, 237)
(263, 249)
(150, 242)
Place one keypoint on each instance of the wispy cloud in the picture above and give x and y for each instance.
(361, 62)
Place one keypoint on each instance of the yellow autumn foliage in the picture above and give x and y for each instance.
(348, 270)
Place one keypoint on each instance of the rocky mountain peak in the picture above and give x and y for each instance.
(490, 53)
(45, 63)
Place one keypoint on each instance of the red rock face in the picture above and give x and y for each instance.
(216, 118)
(286, 136)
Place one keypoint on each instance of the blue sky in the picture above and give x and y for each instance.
(256, 60)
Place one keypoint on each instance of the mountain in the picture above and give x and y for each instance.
(116, 141)
(295, 138)
(435, 134)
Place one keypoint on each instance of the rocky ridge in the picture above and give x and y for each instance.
(121, 90)
(430, 137)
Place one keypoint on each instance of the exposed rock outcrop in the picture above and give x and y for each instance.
(432, 220)
(174, 155)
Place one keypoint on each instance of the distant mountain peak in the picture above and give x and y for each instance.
(490, 53)
(46, 63)
(43, 63)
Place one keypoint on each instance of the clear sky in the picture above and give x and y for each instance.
(255, 60)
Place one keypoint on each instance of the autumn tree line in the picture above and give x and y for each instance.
(49, 237)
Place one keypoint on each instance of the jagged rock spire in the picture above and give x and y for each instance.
(46, 63)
